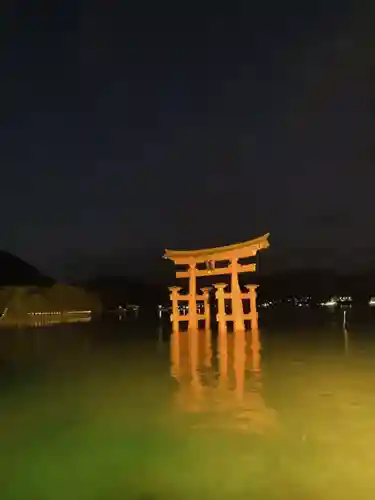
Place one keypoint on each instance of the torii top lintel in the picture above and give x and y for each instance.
(228, 252)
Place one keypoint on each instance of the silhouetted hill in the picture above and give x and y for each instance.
(16, 272)
(317, 283)
(119, 290)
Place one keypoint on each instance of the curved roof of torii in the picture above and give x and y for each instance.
(244, 249)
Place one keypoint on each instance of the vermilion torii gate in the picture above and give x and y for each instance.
(232, 254)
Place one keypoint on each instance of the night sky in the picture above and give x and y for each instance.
(128, 127)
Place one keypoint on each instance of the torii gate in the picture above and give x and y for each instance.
(209, 257)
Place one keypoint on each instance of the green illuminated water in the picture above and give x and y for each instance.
(95, 412)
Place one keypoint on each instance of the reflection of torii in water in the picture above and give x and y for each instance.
(346, 333)
(236, 399)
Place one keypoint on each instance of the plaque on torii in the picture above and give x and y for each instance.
(210, 256)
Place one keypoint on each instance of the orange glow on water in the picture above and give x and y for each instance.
(233, 389)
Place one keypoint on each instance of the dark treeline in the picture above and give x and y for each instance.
(121, 290)
(319, 284)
